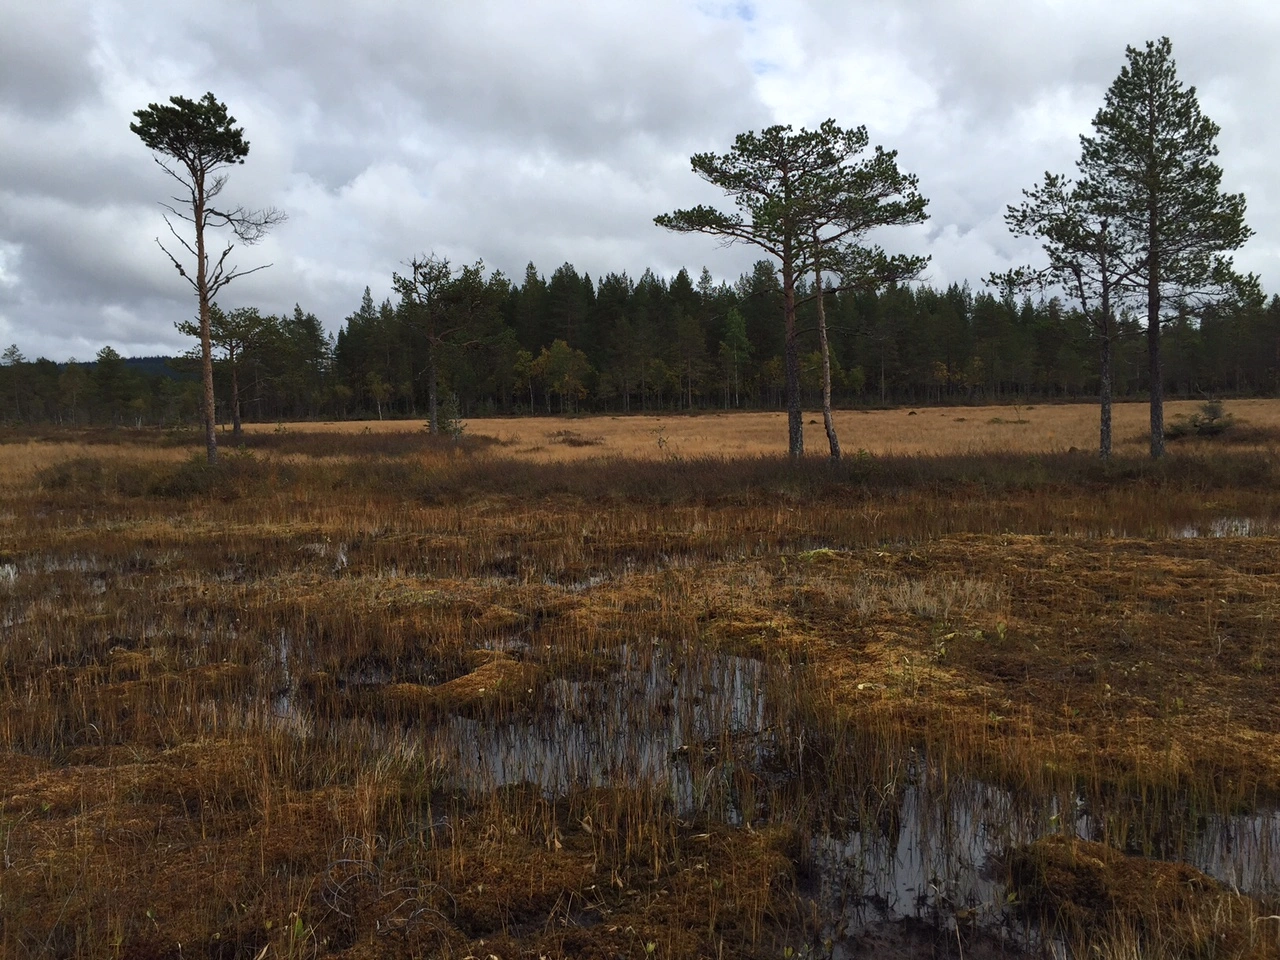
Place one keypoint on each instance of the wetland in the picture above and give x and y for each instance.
(380, 695)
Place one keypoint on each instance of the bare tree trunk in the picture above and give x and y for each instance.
(1153, 342)
(433, 409)
(791, 363)
(832, 439)
(1104, 438)
(235, 399)
(1157, 390)
(206, 339)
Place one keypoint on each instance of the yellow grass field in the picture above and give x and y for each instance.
(1036, 428)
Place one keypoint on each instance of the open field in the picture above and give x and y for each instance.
(1052, 428)
(371, 694)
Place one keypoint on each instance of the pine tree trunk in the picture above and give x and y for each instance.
(1104, 391)
(1156, 374)
(236, 429)
(433, 407)
(832, 439)
(1153, 338)
(791, 363)
(1157, 391)
(206, 340)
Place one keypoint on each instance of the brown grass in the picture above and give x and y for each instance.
(1146, 908)
(226, 695)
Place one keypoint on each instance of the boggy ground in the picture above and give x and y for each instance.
(244, 712)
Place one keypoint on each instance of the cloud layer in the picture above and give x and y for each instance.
(548, 132)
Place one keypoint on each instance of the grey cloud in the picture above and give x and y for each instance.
(547, 132)
(1015, 84)
(45, 56)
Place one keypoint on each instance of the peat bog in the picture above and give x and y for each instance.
(382, 696)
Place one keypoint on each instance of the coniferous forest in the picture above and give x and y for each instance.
(570, 343)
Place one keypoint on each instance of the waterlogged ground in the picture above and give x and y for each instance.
(337, 709)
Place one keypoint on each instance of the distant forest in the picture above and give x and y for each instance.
(569, 344)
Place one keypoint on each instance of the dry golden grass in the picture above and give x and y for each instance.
(21, 462)
(1048, 428)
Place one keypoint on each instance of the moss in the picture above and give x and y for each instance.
(1094, 894)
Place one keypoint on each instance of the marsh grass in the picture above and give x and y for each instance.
(261, 706)
(1049, 428)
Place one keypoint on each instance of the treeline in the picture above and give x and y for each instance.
(290, 372)
(109, 389)
(571, 344)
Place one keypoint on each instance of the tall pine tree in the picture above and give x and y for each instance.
(1149, 169)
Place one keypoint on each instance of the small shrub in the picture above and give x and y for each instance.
(81, 473)
(1211, 421)
(571, 438)
(450, 416)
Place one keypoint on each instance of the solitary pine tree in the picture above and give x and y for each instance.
(1149, 170)
(1086, 261)
(13, 359)
(802, 196)
(860, 268)
(451, 313)
(195, 141)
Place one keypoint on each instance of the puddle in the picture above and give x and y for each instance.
(704, 728)
(941, 860)
(653, 720)
(1225, 527)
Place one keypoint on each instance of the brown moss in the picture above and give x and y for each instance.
(1093, 893)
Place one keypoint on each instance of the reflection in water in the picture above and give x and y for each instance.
(1225, 527)
(697, 726)
(654, 720)
(940, 862)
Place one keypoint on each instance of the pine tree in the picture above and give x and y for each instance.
(235, 334)
(200, 140)
(1086, 261)
(803, 197)
(1149, 169)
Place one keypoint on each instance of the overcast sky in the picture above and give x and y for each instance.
(552, 131)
